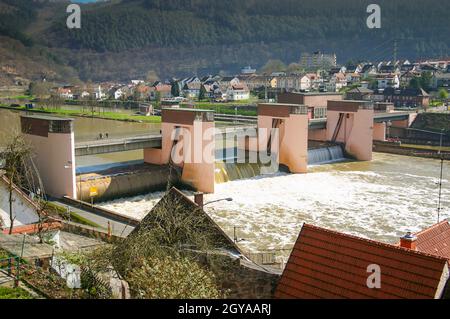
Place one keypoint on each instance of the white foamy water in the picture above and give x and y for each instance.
(381, 200)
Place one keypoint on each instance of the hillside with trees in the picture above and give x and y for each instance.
(126, 39)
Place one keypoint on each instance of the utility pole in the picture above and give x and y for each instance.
(440, 141)
(395, 51)
(440, 190)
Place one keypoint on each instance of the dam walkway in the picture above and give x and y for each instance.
(111, 145)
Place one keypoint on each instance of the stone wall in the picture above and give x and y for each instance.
(395, 148)
(243, 280)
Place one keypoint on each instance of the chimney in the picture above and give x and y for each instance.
(408, 241)
(198, 199)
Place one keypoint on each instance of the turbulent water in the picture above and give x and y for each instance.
(325, 155)
(381, 200)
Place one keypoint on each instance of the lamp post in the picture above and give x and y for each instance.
(440, 141)
(198, 199)
(440, 189)
(228, 199)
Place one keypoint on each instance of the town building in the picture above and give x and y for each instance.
(238, 92)
(317, 60)
(408, 97)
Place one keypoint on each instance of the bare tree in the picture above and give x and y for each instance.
(15, 154)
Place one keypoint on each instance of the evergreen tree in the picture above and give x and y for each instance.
(175, 90)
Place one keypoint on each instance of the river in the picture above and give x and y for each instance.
(380, 200)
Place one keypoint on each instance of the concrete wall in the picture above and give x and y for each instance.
(24, 211)
(379, 131)
(356, 132)
(242, 281)
(55, 161)
(317, 135)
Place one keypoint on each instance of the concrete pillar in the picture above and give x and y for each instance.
(53, 145)
(292, 143)
(188, 141)
(356, 129)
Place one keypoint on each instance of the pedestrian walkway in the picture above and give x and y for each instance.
(119, 229)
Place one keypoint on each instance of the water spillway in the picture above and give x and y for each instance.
(226, 172)
(118, 182)
(324, 155)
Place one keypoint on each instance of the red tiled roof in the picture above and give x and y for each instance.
(332, 265)
(435, 240)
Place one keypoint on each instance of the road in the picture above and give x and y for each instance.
(119, 229)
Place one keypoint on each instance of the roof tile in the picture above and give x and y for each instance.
(328, 264)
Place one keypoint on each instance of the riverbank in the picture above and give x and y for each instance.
(99, 115)
(411, 150)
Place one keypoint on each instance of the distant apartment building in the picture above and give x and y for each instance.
(318, 60)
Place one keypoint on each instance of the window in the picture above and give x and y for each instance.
(61, 127)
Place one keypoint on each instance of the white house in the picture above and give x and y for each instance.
(388, 80)
(65, 93)
(238, 93)
(99, 95)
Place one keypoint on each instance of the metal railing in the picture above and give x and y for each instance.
(10, 270)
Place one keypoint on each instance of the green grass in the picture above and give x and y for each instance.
(14, 293)
(227, 109)
(61, 211)
(22, 97)
(100, 115)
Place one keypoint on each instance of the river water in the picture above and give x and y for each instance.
(380, 200)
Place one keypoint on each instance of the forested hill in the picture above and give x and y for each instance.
(124, 39)
(139, 23)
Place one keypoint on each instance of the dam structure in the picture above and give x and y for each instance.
(298, 131)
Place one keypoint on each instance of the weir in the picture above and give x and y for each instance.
(325, 155)
(186, 151)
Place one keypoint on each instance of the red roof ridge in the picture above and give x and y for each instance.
(374, 242)
(432, 227)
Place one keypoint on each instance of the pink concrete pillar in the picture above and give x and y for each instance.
(355, 129)
(199, 165)
(294, 143)
(291, 147)
(188, 141)
(53, 145)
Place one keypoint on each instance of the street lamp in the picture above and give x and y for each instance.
(440, 189)
(228, 199)
(198, 199)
